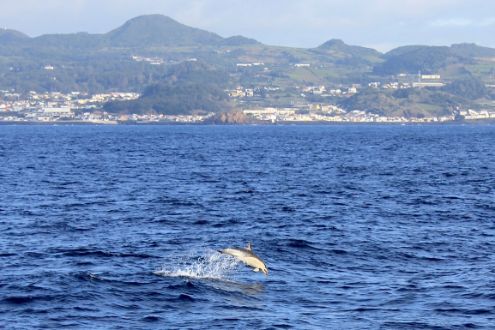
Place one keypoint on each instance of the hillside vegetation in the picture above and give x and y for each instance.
(181, 69)
(187, 88)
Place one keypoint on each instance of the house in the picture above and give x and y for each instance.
(430, 77)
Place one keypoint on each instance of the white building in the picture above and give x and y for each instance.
(427, 84)
(430, 77)
(58, 112)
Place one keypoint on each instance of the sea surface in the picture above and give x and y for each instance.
(361, 227)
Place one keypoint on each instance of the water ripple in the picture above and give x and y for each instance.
(362, 227)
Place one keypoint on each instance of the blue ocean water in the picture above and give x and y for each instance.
(361, 227)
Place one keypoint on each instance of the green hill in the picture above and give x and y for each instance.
(191, 87)
(66, 42)
(337, 51)
(239, 41)
(472, 50)
(406, 102)
(431, 59)
(339, 47)
(412, 59)
(9, 37)
(158, 30)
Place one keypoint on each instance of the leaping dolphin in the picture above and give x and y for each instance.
(247, 256)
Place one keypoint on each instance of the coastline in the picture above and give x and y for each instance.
(253, 123)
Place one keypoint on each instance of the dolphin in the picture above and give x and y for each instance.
(247, 256)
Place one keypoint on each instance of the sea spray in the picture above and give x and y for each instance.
(209, 265)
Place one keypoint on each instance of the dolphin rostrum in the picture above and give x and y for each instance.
(247, 256)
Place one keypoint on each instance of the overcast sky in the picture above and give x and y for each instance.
(381, 24)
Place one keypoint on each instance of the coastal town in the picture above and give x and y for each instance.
(154, 70)
(78, 107)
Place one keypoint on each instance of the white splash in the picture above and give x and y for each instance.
(211, 265)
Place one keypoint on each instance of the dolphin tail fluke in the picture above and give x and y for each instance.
(249, 247)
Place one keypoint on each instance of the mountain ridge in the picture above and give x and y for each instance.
(161, 30)
(9, 36)
(158, 30)
(137, 53)
(141, 31)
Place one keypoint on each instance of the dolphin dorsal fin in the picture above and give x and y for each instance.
(248, 247)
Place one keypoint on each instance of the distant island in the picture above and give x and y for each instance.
(153, 69)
